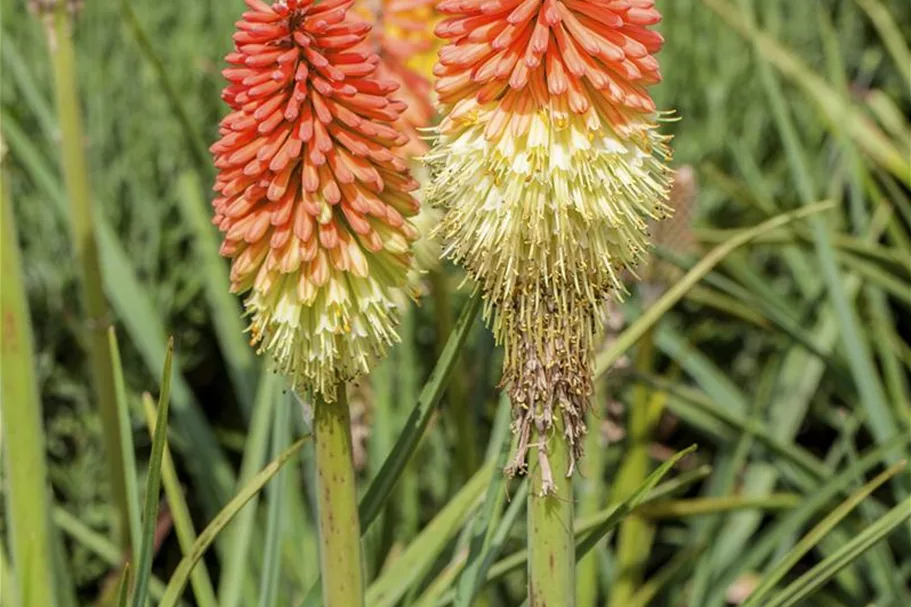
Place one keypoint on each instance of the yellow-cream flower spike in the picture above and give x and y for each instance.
(549, 165)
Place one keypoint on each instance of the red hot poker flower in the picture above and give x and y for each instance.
(549, 166)
(313, 203)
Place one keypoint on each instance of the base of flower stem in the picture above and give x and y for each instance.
(551, 545)
(339, 527)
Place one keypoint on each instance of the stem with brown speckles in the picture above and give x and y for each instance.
(551, 548)
(340, 534)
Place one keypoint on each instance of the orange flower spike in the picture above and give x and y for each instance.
(314, 206)
(549, 166)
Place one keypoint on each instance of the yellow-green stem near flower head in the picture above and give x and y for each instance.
(75, 174)
(551, 545)
(26, 486)
(339, 528)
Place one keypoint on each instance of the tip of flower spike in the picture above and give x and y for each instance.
(323, 337)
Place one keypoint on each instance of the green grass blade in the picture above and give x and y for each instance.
(439, 592)
(836, 109)
(813, 580)
(27, 500)
(690, 399)
(135, 308)
(884, 338)
(87, 255)
(581, 527)
(700, 506)
(891, 35)
(27, 85)
(180, 512)
(673, 295)
(178, 580)
(240, 533)
(780, 569)
(62, 576)
(762, 546)
(635, 536)
(128, 454)
(123, 588)
(193, 139)
(385, 480)
(682, 561)
(873, 397)
(628, 504)
(98, 545)
(408, 569)
(874, 275)
(11, 595)
(486, 533)
(268, 589)
(153, 485)
(485, 523)
(591, 492)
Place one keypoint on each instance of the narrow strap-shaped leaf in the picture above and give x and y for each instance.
(240, 533)
(20, 408)
(182, 573)
(180, 513)
(793, 556)
(226, 316)
(584, 526)
(630, 503)
(656, 311)
(815, 578)
(765, 544)
(392, 584)
(381, 487)
(153, 484)
(97, 544)
(386, 478)
(128, 453)
(123, 588)
(485, 523)
(835, 107)
(268, 587)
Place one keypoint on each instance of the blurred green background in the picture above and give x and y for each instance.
(800, 358)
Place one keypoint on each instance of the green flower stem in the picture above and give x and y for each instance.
(551, 545)
(339, 528)
(26, 484)
(75, 174)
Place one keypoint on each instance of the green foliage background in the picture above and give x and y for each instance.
(710, 347)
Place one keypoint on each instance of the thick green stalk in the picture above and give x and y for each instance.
(340, 532)
(75, 174)
(551, 545)
(26, 485)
